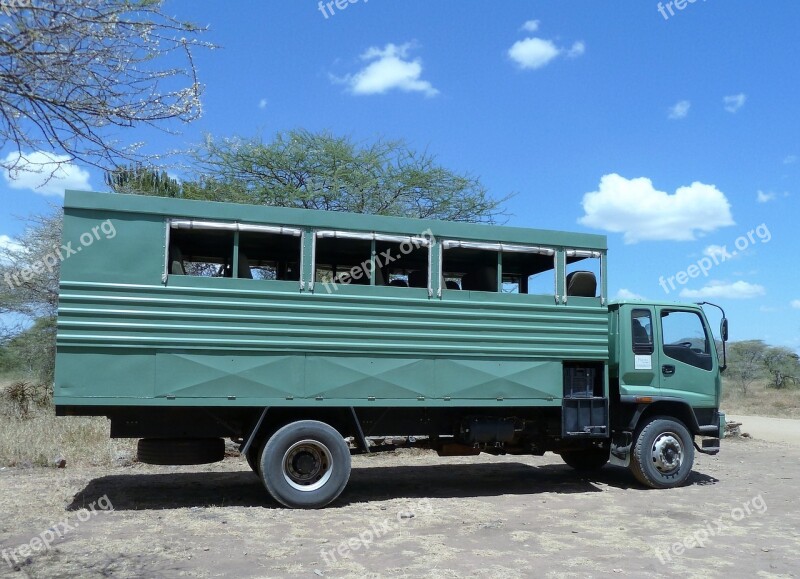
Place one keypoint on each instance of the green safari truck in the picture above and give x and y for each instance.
(309, 336)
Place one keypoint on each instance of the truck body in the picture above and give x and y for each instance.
(307, 336)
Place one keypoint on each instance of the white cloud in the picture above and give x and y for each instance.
(790, 159)
(762, 197)
(796, 304)
(680, 110)
(532, 52)
(262, 104)
(578, 48)
(734, 102)
(389, 69)
(626, 294)
(44, 173)
(531, 26)
(635, 208)
(740, 290)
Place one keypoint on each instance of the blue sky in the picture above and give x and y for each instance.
(676, 134)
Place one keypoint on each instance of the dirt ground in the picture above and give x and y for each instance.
(410, 514)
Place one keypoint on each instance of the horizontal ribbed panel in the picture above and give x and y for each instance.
(174, 318)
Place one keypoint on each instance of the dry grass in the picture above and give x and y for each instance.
(83, 441)
(761, 401)
(40, 437)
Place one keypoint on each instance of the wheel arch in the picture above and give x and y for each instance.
(275, 418)
(676, 409)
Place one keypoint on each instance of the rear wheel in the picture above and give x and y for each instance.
(305, 464)
(253, 457)
(586, 459)
(663, 454)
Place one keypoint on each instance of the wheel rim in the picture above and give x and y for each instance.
(667, 452)
(307, 465)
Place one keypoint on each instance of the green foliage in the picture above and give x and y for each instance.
(37, 295)
(752, 360)
(746, 363)
(7, 361)
(31, 353)
(141, 180)
(321, 171)
(783, 367)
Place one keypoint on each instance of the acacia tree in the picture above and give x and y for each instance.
(320, 171)
(74, 72)
(746, 363)
(29, 274)
(141, 180)
(783, 366)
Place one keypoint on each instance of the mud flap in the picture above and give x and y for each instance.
(621, 443)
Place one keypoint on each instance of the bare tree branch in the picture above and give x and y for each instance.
(75, 73)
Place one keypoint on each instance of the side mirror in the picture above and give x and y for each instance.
(723, 329)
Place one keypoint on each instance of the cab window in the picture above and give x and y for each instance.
(685, 339)
(642, 332)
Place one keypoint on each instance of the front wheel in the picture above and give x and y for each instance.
(663, 455)
(305, 464)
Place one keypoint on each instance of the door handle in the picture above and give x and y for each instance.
(668, 369)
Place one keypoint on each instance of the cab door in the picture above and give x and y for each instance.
(687, 357)
(638, 358)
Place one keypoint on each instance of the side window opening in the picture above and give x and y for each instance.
(583, 273)
(685, 339)
(346, 258)
(642, 332)
(511, 284)
(201, 253)
(470, 269)
(401, 264)
(343, 260)
(531, 273)
(474, 266)
(543, 282)
(269, 256)
(207, 249)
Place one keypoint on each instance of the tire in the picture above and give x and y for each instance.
(305, 464)
(663, 454)
(253, 457)
(180, 451)
(586, 460)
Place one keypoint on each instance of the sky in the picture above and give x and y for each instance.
(673, 128)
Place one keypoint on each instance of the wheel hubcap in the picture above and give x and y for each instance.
(307, 465)
(667, 452)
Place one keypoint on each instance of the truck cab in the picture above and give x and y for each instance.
(664, 370)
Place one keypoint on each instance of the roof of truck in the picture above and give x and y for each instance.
(262, 214)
